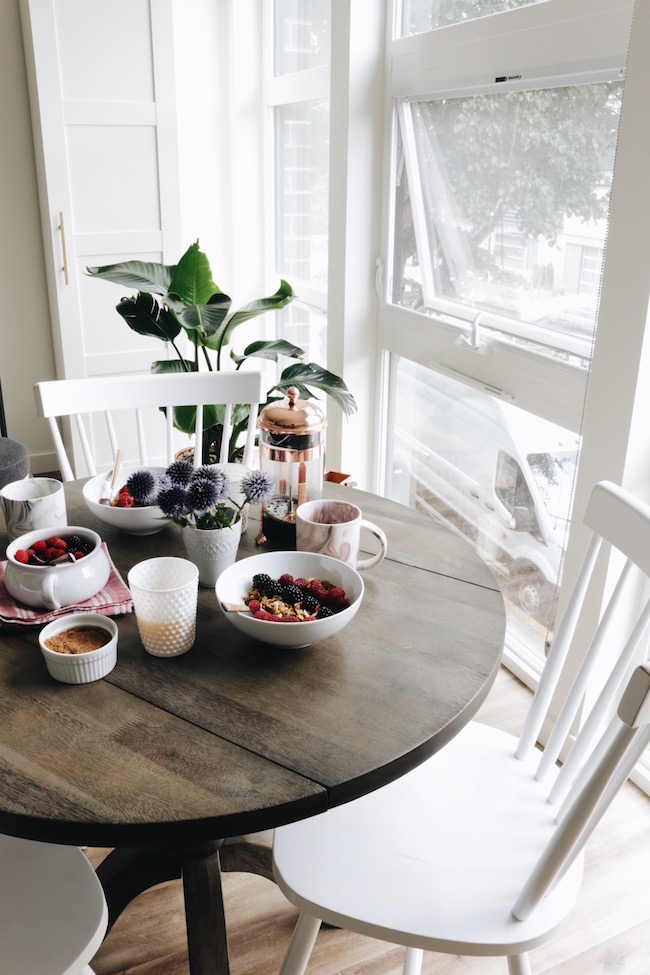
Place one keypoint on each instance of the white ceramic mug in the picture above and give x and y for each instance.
(34, 502)
(334, 528)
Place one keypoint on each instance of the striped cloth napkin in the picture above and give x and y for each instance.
(113, 599)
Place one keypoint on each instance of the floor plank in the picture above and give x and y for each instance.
(607, 934)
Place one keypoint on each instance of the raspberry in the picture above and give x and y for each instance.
(78, 555)
(39, 546)
(52, 553)
(336, 594)
(254, 605)
(301, 583)
(290, 619)
(21, 555)
(55, 542)
(286, 579)
(124, 500)
(262, 614)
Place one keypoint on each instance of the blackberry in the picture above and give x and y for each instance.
(273, 588)
(324, 612)
(78, 543)
(292, 595)
(261, 580)
(265, 584)
(310, 603)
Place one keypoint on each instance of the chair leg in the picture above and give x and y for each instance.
(413, 961)
(301, 945)
(519, 964)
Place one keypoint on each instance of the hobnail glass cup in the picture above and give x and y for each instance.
(165, 592)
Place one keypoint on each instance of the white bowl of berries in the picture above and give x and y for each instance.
(56, 567)
(289, 599)
(121, 510)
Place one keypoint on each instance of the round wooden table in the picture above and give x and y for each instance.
(166, 758)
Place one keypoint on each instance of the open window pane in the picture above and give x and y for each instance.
(496, 474)
(419, 16)
(502, 205)
(302, 191)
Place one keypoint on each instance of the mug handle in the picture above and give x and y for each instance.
(47, 591)
(380, 555)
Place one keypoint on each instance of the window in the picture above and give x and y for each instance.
(298, 97)
(505, 122)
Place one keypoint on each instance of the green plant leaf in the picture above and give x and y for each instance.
(147, 317)
(192, 280)
(282, 297)
(308, 374)
(268, 350)
(205, 320)
(136, 274)
(173, 365)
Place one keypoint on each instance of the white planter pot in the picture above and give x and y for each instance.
(212, 551)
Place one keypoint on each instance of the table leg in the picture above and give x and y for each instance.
(126, 872)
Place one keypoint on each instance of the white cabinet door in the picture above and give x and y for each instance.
(102, 93)
(101, 80)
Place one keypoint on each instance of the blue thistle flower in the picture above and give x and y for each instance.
(202, 494)
(257, 486)
(172, 501)
(141, 485)
(180, 472)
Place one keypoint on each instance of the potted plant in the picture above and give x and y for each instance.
(197, 499)
(183, 298)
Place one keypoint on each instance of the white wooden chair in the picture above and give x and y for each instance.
(109, 394)
(479, 850)
(53, 915)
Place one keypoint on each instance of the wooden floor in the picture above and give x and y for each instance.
(609, 931)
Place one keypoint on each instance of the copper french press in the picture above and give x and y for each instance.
(292, 450)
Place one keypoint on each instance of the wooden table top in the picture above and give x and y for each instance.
(235, 736)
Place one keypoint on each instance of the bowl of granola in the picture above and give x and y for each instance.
(119, 509)
(290, 599)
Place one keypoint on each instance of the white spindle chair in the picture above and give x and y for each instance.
(53, 915)
(479, 850)
(108, 394)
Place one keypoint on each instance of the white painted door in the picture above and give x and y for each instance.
(101, 79)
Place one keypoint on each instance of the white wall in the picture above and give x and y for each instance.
(26, 352)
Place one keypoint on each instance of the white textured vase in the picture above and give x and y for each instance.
(211, 550)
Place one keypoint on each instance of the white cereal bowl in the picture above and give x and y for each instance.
(133, 521)
(54, 586)
(79, 668)
(235, 581)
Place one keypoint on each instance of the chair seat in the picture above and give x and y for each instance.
(421, 880)
(53, 914)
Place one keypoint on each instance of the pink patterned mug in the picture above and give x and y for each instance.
(334, 528)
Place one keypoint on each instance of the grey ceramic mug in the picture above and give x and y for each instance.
(34, 502)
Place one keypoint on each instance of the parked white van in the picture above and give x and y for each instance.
(500, 476)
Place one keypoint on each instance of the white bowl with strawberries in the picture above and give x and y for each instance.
(56, 567)
(118, 508)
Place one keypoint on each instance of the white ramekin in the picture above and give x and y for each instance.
(80, 668)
